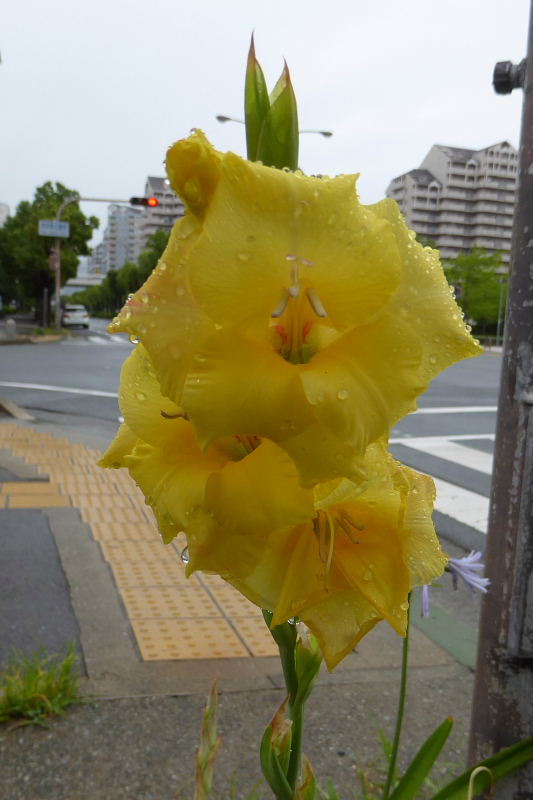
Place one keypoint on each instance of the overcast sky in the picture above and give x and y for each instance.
(93, 93)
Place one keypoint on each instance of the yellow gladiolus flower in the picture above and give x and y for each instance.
(158, 446)
(340, 556)
(283, 308)
(345, 569)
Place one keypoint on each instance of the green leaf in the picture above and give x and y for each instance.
(256, 102)
(272, 768)
(422, 763)
(279, 137)
(503, 763)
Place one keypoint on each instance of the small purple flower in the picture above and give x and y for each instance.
(468, 568)
(424, 608)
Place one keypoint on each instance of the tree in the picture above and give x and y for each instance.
(25, 256)
(480, 281)
(148, 259)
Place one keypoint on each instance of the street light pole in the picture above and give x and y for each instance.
(502, 707)
(55, 253)
(225, 118)
(57, 259)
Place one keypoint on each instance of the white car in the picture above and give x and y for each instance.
(74, 315)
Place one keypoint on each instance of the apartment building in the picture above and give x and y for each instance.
(460, 198)
(170, 207)
(128, 228)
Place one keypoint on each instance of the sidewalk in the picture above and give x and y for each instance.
(87, 564)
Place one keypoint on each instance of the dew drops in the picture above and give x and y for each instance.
(144, 299)
(433, 359)
(180, 291)
(367, 575)
(243, 256)
(134, 339)
(343, 394)
(184, 555)
(141, 397)
(404, 606)
(291, 257)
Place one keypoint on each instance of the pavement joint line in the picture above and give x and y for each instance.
(121, 663)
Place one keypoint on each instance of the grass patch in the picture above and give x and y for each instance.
(36, 687)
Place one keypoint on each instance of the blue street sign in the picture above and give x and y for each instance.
(53, 227)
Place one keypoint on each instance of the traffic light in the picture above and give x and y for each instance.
(144, 201)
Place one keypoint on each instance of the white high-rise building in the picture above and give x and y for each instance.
(170, 207)
(460, 198)
(128, 228)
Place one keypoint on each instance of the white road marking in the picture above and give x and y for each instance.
(429, 440)
(468, 507)
(442, 447)
(65, 389)
(455, 410)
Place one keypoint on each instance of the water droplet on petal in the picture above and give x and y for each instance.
(134, 339)
(184, 555)
(243, 256)
(404, 606)
(367, 575)
(433, 359)
(343, 394)
(180, 291)
(141, 397)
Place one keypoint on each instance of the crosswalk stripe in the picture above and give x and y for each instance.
(453, 451)
(467, 507)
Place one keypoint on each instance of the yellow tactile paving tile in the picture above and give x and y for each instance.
(232, 601)
(169, 602)
(113, 515)
(148, 573)
(37, 501)
(29, 487)
(101, 501)
(254, 632)
(124, 531)
(173, 617)
(187, 638)
(151, 549)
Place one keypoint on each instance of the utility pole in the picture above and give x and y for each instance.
(503, 696)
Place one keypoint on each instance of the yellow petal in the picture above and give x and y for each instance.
(193, 168)
(163, 313)
(423, 554)
(423, 300)
(269, 477)
(262, 223)
(339, 623)
(121, 446)
(361, 384)
(239, 385)
(149, 415)
(173, 479)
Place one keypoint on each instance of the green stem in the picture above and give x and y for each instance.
(399, 716)
(293, 770)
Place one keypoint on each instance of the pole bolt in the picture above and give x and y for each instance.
(508, 76)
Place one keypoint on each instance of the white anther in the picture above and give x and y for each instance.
(282, 305)
(316, 302)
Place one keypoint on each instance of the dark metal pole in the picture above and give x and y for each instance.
(503, 696)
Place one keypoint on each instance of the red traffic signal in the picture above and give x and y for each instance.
(144, 201)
